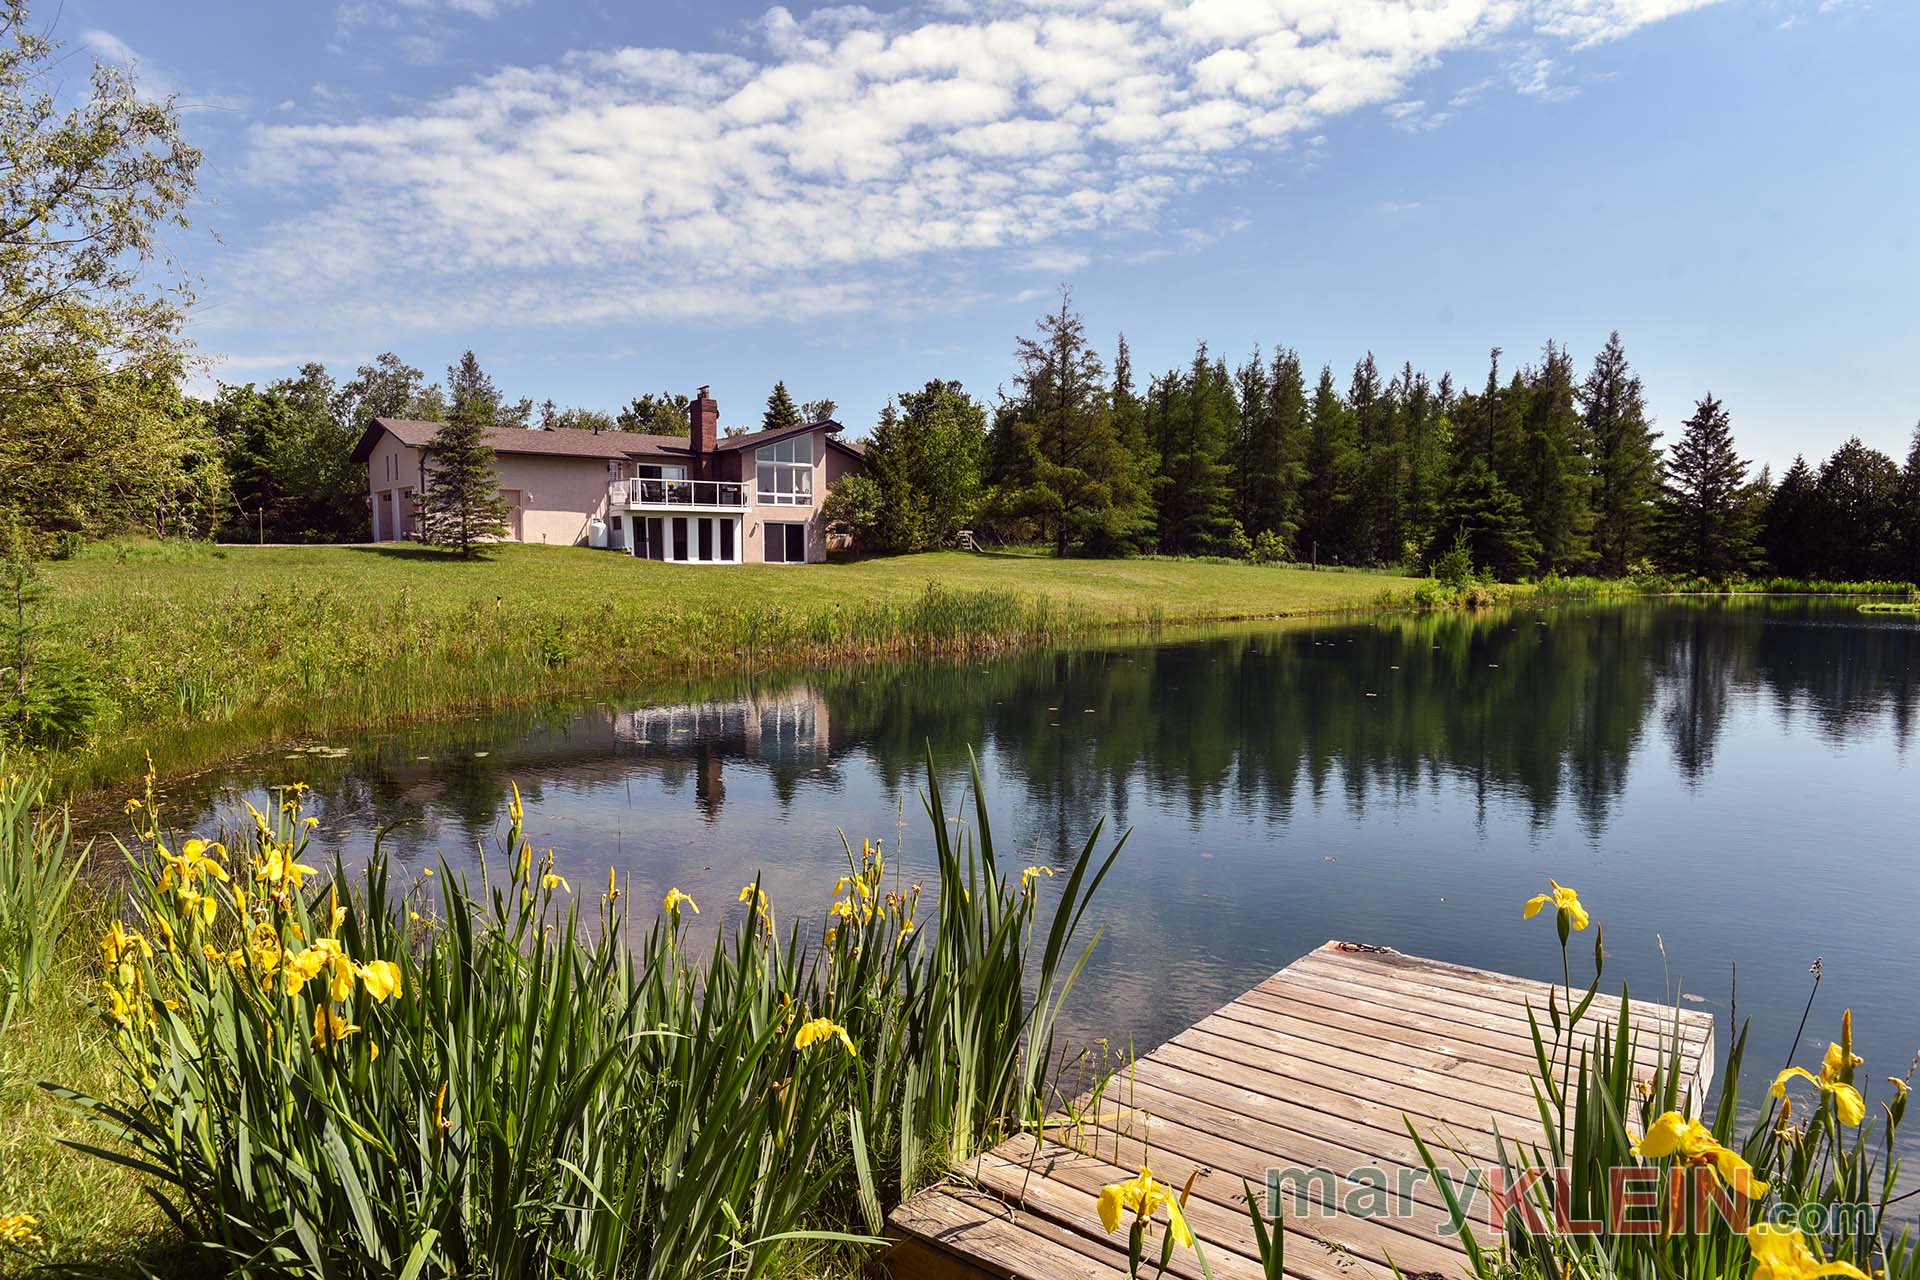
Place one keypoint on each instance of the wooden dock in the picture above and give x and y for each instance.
(1320, 1066)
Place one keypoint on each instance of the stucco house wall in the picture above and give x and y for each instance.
(554, 497)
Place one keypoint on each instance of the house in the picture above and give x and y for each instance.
(703, 499)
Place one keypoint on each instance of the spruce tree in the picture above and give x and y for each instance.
(1196, 501)
(1706, 518)
(1061, 466)
(781, 411)
(1626, 460)
(1327, 496)
(1424, 438)
(1487, 517)
(1550, 471)
(1859, 488)
(1907, 517)
(462, 505)
(1790, 528)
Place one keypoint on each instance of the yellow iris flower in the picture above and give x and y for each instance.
(1563, 899)
(1142, 1197)
(820, 1030)
(1675, 1135)
(1782, 1254)
(675, 899)
(330, 1028)
(18, 1229)
(515, 809)
(1847, 1102)
(1032, 874)
(381, 979)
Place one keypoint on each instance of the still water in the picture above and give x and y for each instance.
(1731, 787)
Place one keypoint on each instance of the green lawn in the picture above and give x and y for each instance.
(198, 652)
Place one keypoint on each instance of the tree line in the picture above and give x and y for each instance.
(1544, 469)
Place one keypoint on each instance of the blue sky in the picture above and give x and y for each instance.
(604, 199)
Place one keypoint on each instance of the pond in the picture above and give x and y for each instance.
(1730, 785)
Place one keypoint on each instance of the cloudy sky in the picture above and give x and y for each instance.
(607, 198)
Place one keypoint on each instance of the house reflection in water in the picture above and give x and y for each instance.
(786, 733)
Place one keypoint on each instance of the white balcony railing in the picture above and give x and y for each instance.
(676, 493)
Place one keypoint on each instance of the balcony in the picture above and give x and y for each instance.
(710, 495)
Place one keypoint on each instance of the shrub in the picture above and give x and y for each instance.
(1454, 569)
(1268, 548)
(351, 1077)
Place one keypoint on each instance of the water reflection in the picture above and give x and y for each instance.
(1726, 783)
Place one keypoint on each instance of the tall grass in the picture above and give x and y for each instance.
(37, 873)
(340, 1075)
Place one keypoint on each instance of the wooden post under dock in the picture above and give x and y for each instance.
(1319, 1067)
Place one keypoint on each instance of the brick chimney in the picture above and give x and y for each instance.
(703, 417)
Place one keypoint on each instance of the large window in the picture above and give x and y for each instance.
(785, 472)
(786, 542)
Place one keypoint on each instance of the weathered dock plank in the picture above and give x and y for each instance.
(1319, 1067)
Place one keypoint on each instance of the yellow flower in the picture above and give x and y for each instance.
(514, 808)
(329, 1027)
(1782, 1254)
(1675, 1135)
(675, 899)
(1032, 874)
(121, 942)
(381, 979)
(1564, 900)
(1847, 1102)
(613, 890)
(554, 880)
(282, 868)
(822, 1029)
(1142, 1197)
(18, 1229)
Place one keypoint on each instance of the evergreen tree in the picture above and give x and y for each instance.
(1626, 460)
(462, 504)
(1130, 429)
(1376, 539)
(1550, 471)
(1065, 472)
(1424, 438)
(781, 411)
(1325, 531)
(818, 411)
(1196, 500)
(1907, 517)
(1486, 517)
(1252, 433)
(922, 479)
(1706, 517)
(1790, 528)
(1859, 489)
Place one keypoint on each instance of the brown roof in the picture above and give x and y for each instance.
(560, 442)
(574, 442)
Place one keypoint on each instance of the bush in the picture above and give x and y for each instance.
(1454, 569)
(356, 1078)
(1268, 548)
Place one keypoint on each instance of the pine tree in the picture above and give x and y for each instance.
(1706, 520)
(1550, 471)
(1196, 502)
(1907, 517)
(1061, 465)
(1327, 495)
(462, 505)
(1626, 460)
(1790, 528)
(1859, 488)
(1484, 515)
(781, 411)
(1425, 442)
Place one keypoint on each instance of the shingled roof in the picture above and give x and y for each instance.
(574, 442)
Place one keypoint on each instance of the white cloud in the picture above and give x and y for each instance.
(842, 147)
(155, 81)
